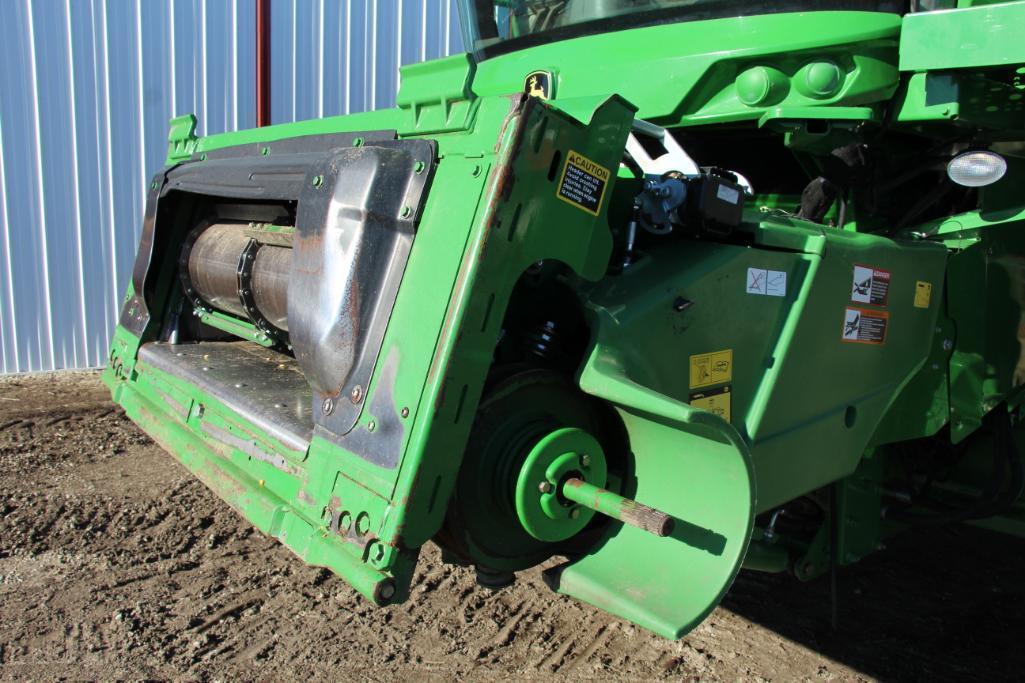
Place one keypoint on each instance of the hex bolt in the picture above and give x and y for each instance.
(544, 487)
(405, 412)
(585, 460)
(574, 513)
(948, 344)
(328, 405)
(356, 395)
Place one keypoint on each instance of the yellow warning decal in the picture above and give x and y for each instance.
(707, 369)
(583, 183)
(923, 293)
(715, 401)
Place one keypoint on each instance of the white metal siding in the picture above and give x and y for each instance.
(86, 90)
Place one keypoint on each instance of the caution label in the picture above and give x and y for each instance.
(583, 183)
(707, 369)
(923, 294)
(871, 285)
(865, 326)
(715, 401)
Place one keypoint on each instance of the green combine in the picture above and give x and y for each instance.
(648, 291)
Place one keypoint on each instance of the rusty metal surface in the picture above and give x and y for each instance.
(213, 271)
(265, 388)
(356, 221)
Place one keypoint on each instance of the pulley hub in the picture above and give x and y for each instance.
(564, 454)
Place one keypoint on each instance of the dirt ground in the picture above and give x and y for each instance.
(115, 563)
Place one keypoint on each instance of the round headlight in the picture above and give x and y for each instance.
(976, 169)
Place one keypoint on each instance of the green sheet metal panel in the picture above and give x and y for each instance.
(970, 37)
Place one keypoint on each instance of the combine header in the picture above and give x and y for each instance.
(663, 289)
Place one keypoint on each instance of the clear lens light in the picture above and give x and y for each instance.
(976, 169)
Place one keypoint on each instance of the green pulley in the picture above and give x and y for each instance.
(564, 454)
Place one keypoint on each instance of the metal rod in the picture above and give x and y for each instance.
(262, 63)
(625, 510)
(650, 129)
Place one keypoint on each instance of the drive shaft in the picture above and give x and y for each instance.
(613, 505)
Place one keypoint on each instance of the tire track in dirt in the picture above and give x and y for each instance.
(115, 563)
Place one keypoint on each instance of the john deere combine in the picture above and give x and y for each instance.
(662, 288)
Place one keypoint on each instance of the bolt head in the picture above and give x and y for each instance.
(948, 344)
(545, 487)
(574, 513)
(328, 406)
(356, 395)
(585, 460)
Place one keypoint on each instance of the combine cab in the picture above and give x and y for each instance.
(662, 289)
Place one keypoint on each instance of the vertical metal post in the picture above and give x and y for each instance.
(262, 63)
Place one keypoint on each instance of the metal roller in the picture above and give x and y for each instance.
(232, 269)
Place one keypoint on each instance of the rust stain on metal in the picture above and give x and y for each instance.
(497, 184)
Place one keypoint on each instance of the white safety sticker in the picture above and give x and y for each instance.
(870, 286)
(864, 325)
(766, 282)
(728, 194)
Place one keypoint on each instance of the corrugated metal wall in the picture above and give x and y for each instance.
(86, 90)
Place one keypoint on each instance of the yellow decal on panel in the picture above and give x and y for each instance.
(707, 369)
(583, 183)
(715, 401)
(923, 293)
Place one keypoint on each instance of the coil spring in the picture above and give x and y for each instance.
(544, 341)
